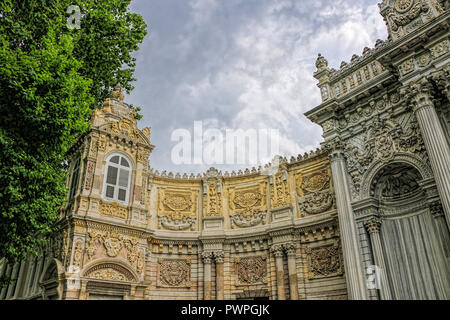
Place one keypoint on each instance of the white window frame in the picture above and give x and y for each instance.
(108, 163)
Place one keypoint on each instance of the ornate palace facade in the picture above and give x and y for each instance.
(372, 204)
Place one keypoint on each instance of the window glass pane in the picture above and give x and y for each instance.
(115, 159)
(122, 194)
(124, 162)
(123, 178)
(112, 175)
(110, 192)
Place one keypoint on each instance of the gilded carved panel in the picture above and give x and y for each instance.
(177, 208)
(315, 192)
(279, 192)
(113, 209)
(248, 205)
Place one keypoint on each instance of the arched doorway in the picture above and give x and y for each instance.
(414, 257)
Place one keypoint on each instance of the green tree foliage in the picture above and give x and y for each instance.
(51, 77)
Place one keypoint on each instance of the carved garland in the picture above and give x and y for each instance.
(248, 206)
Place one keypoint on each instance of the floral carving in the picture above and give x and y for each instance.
(113, 209)
(381, 141)
(324, 261)
(177, 209)
(251, 270)
(248, 206)
(315, 192)
(279, 192)
(214, 201)
(109, 271)
(174, 273)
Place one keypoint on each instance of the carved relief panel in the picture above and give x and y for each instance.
(315, 192)
(279, 191)
(174, 273)
(248, 205)
(177, 208)
(324, 261)
(251, 270)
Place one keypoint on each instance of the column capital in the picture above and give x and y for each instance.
(335, 148)
(373, 225)
(290, 248)
(219, 256)
(277, 250)
(441, 79)
(419, 93)
(207, 257)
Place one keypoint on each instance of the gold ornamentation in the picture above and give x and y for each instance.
(113, 209)
(113, 243)
(174, 273)
(109, 271)
(279, 192)
(316, 194)
(248, 201)
(177, 203)
(78, 254)
(214, 201)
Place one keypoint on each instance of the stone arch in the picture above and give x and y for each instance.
(405, 158)
(52, 279)
(110, 269)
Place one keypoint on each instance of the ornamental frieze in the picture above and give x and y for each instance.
(113, 242)
(251, 270)
(109, 271)
(113, 209)
(174, 272)
(324, 261)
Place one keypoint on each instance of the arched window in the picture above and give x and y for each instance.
(117, 181)
(74, 178)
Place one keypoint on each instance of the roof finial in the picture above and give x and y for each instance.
(117, 93)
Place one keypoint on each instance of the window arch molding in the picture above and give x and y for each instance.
(117, 177)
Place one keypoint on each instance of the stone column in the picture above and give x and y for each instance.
(19, 280)
(354, 272)
(37, 275)
(373, 228)
(13, 282)
(434, 139)
(278, 253)
(293, 283)
(207, 257)
(5, 288)
(219, 257)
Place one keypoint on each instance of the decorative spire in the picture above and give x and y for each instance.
(321, 63)
(117, 93)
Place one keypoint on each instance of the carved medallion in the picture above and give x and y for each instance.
(174, 273)
(403, 5)
(251, 270)
(324, 261)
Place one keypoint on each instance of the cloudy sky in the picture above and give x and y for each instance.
(242, 64)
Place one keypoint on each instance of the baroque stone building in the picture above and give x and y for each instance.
(367, 216)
